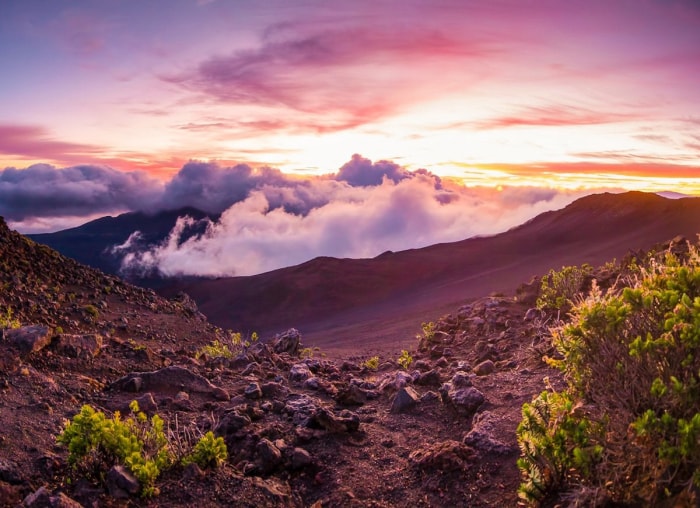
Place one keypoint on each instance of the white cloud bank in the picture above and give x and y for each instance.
(256, 234)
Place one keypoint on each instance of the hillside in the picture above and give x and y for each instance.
(300, 429)
(341, 303)
(90, 243)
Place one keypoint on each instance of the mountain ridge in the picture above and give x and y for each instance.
(323, 295)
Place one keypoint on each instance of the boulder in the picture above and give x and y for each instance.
(484, 368)
(443, 456)
(287, 342)
(28, 339)
(299, 373)
(467, 400)
(121, 484)
(79, 346)
(269, 456)
(171, 379)
(404, 400)
(253, 391)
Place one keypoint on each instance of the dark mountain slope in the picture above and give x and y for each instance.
(338, 301)
(90, 243)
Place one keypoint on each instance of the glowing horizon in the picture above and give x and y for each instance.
(504, 86)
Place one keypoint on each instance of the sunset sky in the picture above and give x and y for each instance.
(560, 94)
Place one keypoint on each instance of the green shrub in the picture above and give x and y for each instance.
(7, 319)
(631, 358)
(405, 360)
(555, 441)
(215, 350)
(96, 442)
(371, 363)
(558, 289)
(210, 451)
(92, 311)
(222, 349)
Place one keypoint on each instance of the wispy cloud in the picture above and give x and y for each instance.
(555, 115)
(347, 73)
(36, 142)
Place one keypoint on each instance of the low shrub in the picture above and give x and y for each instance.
(631, 359)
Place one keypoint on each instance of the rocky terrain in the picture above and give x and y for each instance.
(302, 429)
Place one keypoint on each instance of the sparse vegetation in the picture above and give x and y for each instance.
(235, 346)
(210, 451)
(91, 310)
(371, 363)
(628, 423)
(559, 288)
(7, 319)
(216, 349)
(405, 360)
(96, 442)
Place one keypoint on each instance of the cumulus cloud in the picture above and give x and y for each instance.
(263, 219)
(43, 190)
(253, 237)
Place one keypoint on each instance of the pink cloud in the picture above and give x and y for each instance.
(34, 141)
(555, 116)
(352, 75)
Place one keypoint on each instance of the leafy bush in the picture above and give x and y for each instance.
(222, 349)
(210, 451)
(215, 350)
(559, 288)
(92, 311)
(405, 360)
(631, 357)
(7, 319)
(371, 363)
(96, 442)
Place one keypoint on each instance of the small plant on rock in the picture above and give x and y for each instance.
(210, 451)
(216, 349)
(371, 363)
(96, 442)
(7, 319)
(559, 288)
(405, 360)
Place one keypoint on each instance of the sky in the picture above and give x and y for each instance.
(109, 106)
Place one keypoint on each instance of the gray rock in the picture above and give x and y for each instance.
(274, 390)
(269, 456)
(482, 436)
(351, 395)
(301, 408)
(327, 420)
(147, 403)
(253, 391)
(299, 373)
(429, 378)
(10, 472)
(467, 400)
(313, 383)
(231, 423)
(461, 379)
(404, 400)
(171, 379)
(429, 396)
(29, 339)
(484, 368)
(79, 346)
(299, 458)
(287, 342)
(121, 484)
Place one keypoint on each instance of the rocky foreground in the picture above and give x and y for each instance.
(301, 429)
